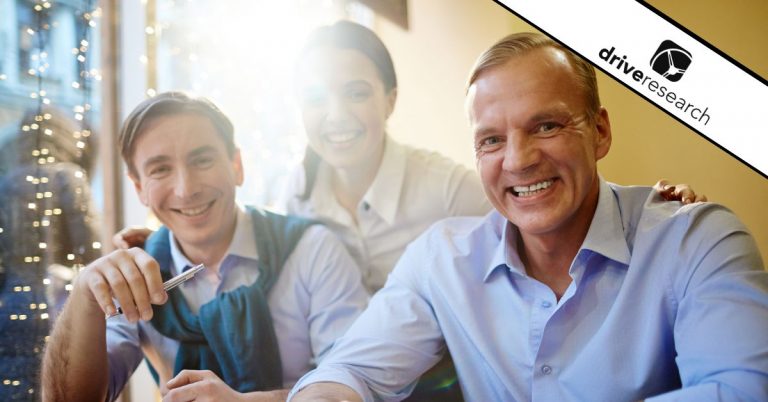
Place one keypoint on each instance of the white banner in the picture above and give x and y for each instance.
(665, 65)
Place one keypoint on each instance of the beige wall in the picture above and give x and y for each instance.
(434, 56)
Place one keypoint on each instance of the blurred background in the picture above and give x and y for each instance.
(93, 61)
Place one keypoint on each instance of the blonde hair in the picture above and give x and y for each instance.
(519, 44)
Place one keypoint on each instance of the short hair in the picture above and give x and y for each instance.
(350, 35)
(167, 104)
(519, 44)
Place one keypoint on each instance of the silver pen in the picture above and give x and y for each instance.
(169, 284)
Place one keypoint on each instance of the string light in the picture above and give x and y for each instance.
(43, 201)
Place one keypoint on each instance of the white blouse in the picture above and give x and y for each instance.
(413, 189)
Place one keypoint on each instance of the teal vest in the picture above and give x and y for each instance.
(233, 334)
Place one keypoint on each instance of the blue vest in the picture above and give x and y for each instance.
(233, 334)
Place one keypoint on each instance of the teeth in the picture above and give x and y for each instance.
(194, 211)
(340, 137)
(525, 191)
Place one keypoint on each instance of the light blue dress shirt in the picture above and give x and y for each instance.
(314, 300)
(666, 300)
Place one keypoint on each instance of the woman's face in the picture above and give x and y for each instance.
(344, 106)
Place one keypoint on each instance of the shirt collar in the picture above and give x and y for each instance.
(605, 236)
(384, 194)
(504, 255)
(241, 245)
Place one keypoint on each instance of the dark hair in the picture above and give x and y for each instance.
(519, 44)
(346, 35)
(171, 103)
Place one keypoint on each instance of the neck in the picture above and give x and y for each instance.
(350, 185)
(211, 254)
(548, 257)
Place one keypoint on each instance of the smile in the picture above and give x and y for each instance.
(533, 189)
(341, 137)
(194, 211)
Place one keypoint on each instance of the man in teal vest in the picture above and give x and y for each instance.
(275, 293)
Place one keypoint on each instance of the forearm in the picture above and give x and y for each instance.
(278, 395)
(327, 392)
(75, 365)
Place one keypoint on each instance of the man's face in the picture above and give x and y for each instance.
(187, 179)
(536, 150)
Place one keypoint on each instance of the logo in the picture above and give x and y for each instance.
(671, 60)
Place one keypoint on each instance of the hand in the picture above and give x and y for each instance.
(199, 385)
(131, 276)
(132, 236)
(678, 192)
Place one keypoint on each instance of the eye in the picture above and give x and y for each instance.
(159, 171)
(358, 94)
(203, 161)
(489, 144)
(548, 127)
(313, 97)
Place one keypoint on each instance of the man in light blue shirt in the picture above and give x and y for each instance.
(573, 289)
(275, 294)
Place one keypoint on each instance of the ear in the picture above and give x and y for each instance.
(139, 188)
(603, 128)
(237, 166)
(391, 99)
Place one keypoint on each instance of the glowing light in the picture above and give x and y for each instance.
(96, 245)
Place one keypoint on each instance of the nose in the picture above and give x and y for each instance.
(336, 109)
(186, 185)
(520, 154)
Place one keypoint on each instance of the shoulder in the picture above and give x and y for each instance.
(642, 206)
(455, 239)
(431, 162)
(695, 239)
(290, 198)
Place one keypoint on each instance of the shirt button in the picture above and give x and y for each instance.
(546, 369)
(546, 304)
(366, 206)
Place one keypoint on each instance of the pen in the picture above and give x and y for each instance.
(170, 284)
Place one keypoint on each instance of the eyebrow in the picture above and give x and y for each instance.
(205, 149)
(155, 160)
